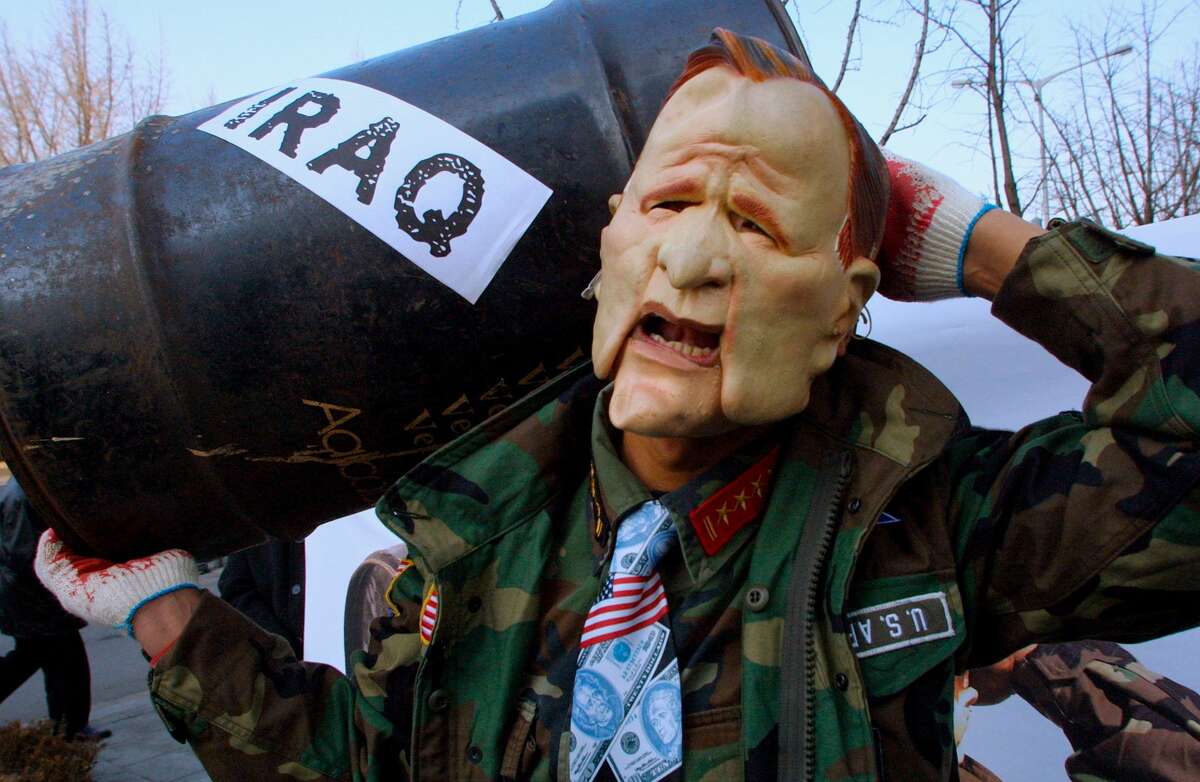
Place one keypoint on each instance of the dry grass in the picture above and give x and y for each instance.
(30, 753)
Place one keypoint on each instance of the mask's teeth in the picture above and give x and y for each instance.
(682, 347)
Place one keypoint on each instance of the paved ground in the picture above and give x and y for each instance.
(140, 749)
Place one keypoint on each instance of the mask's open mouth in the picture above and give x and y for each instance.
(700, 344)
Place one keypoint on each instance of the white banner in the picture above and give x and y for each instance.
(1180, 236)
(332, 552)
(446, 202)
(1003, 380)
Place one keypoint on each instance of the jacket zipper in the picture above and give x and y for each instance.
(874, 511)
(797, 750)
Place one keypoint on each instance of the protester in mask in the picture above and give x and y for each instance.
(797, 533)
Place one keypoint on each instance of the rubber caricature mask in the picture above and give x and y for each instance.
(722, 292)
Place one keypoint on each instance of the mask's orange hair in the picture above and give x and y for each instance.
(757, 60)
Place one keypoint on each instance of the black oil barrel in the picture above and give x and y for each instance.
(198, 351)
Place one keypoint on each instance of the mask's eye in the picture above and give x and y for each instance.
(674, 206)
(744, 224)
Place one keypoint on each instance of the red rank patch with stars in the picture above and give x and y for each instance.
(740, 502)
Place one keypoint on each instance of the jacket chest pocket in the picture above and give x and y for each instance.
(712, 748)
(901, 627)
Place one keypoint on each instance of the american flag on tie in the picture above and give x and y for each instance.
(627, 603)
(429, 612)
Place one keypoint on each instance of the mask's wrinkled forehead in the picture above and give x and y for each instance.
(758, 61)
(775, 150)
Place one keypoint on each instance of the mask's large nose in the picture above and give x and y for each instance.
(695, 250)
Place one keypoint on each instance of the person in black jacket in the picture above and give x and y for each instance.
(266, 583)
(47, 637)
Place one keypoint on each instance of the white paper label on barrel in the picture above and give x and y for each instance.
(446, 202)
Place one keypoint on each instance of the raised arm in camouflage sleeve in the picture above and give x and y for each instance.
(1123, 721)
(250, 710)
(1086, 525)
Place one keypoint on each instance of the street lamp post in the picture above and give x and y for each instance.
(1037, 85)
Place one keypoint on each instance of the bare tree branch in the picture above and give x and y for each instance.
(850, 32)
(913, 73)
(83, 84)
(912, 124)
(997, 81)
(1132, 138)
(990, 56)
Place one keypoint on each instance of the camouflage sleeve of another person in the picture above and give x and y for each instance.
(1123, 721)
(1087, 525)
(251, 710)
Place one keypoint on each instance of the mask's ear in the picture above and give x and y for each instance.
(863, 278)
(614, 201)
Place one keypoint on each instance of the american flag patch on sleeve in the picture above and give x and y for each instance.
(429, 614)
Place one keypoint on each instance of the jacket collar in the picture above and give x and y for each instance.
(713, 513)
(878, 399)
(513, 465)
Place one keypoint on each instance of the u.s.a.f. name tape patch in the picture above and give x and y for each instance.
(899, 624)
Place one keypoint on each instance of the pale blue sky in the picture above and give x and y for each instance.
(222, 49)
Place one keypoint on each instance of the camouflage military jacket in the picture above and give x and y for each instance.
(898, 546)
(1123, 720)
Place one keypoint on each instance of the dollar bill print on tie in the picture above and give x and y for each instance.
(443, 200)
(650, 740)
(640, 558)
(611, 676)
(899, 624)
(633, 595)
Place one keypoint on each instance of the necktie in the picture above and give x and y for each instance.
(626, 712)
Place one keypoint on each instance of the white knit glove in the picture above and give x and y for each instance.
(929, 222)
(104, 592)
